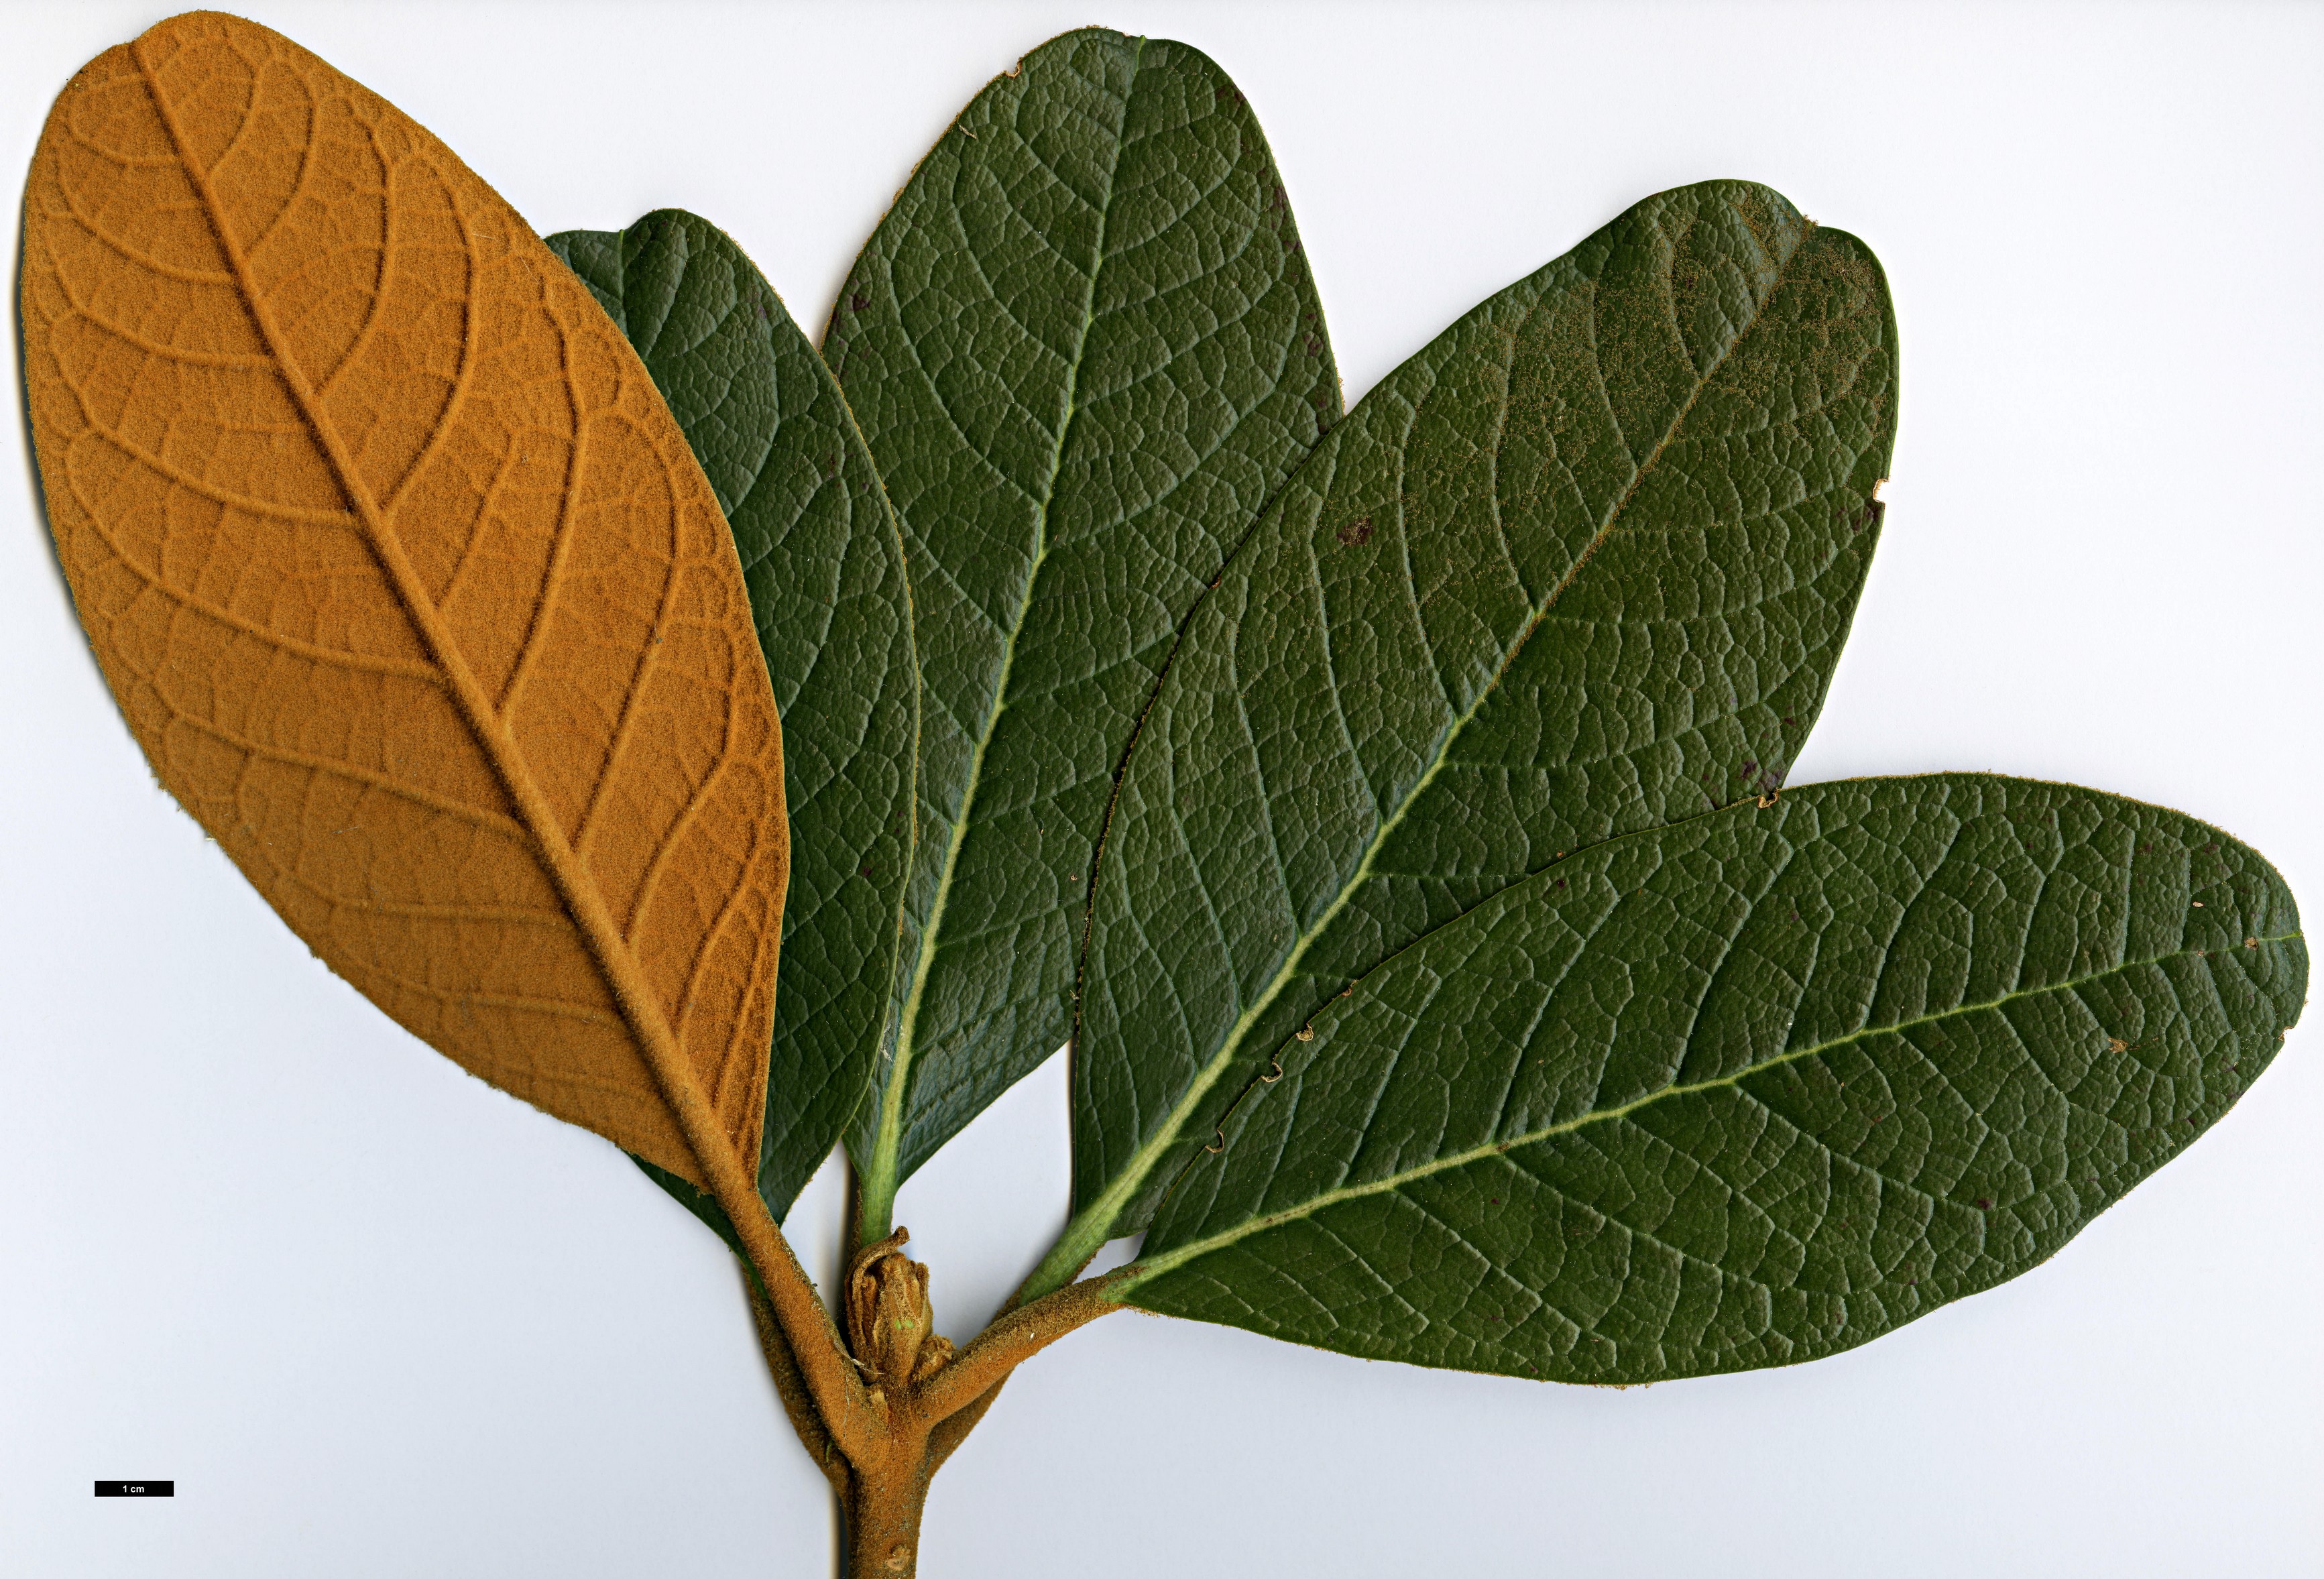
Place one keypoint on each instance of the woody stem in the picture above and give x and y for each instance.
(890, 1490)
(1014, 1337)
(824, 1370)
(790, 1386)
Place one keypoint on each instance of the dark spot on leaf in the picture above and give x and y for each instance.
(1561, 882)
(1788, 722)
(857, 302)
(1357, 531)
(1984, 1204)
(866, 869)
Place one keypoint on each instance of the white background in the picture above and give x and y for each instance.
(378, 1319)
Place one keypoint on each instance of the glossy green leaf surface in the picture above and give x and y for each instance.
(824, 561)
(1085, 349)
(1744, 1091)
(1583, 566)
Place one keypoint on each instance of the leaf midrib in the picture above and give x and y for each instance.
(1090, 1228)
(1171, 1259)
(879, 1181)
(616, 964)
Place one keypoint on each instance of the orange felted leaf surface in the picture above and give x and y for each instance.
(407, 581)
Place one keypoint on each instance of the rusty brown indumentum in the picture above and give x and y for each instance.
(920, 1397)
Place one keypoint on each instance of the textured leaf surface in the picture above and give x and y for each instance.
(1583, 566)
(825, 563)
(406, 581)
(1745, 1091)
(1085, 350)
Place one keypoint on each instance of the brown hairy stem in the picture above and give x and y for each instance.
(799, 1404)
(921, 1397)
(851, 1415)
(918, 1398)
(926, 1421)
(883, 1510)
(1014, 1337)
(953, 1430)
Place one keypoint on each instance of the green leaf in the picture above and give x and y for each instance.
(1085, 349)
(1581, 567)
(825, 563)
(1745, 1091)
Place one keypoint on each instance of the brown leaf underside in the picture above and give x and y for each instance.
(406, 580)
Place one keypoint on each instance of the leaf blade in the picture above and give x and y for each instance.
(1648, 464)
(1085, 349)
(824, 560)
(273, 474)
(1804, 1124)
